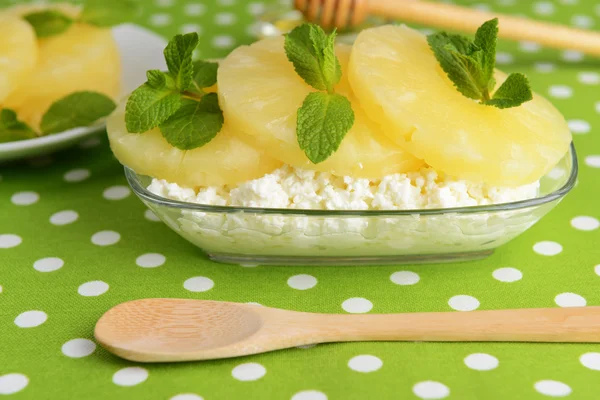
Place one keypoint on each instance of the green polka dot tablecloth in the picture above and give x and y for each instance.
(74, 241)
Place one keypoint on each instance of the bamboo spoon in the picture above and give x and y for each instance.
(159, 330)
(348, 13)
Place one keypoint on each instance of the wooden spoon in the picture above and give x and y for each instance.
(348, 13)
(159, 330)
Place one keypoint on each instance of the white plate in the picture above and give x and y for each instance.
(140, 50)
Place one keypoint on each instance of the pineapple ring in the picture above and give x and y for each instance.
(18, 53)
(260, 93)
(226, 160)
(399, 83)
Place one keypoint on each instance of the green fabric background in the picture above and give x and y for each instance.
(36, 352)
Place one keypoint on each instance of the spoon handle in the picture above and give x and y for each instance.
(575, 324)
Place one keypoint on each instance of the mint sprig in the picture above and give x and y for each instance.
(325, 117)
(11, 129)
(174, 101)
(48, 23)
(470, 66)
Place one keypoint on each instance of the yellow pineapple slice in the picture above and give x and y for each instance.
(18, 53)
(400, 84)
(225, 160)
(260, 93)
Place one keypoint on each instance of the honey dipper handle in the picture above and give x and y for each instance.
(449, 16)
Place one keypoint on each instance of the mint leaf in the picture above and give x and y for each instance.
(205, 73)
(323, 121)
(109, 12)
(76, 110)
(178, 55)
(11, 129)
(485, 39)
(148, 107)
(512, 93)
(466, 74)
(312, 53)
(48, 23)
(194, 124)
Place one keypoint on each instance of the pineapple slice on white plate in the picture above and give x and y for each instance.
(399, 83)
(18, 53)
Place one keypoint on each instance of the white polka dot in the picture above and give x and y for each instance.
(225, 19)
(78, 348)
(194, 9)
(248, 372)
(223, 41)
(543, 8)
(569, 300)
(13, 383)
(150, 216)
(198, 284)
(188, 28)
(165, 3)
(77, 175)
(0, 288)
(90, 143)
(302, 282)
(597, 269)
(560, 91)
(463, 302)
(552, 388)
(481, 361)
(306, 346)
(105, 238)
(579, 126)
(585, 223)
(544, 67)
(48, 264)
(357, 305)
(572, 55)
(556, 173)
(93, 288)
(507, 274)
(160, 19)
(253, 303)
(547, 248)
(427, 31)
(309, 395)
(593, 161)
(504, 58)
(249, 265)
(365, 363)
(256, 8)
(582, 21)
(116, 193)
(187, 396)
(590, 360)
(25, 198)
(405, 278)
(8, 240)
(64, 217)
(589, 78)
(31, 319)
(482, 7)
(529, 47)
(430, 390)
(150, 260)
(130, 376)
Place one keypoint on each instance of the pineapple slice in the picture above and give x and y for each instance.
(400, 84)
(260, 93)
(18, 53)
(82, 58)
(226, 160)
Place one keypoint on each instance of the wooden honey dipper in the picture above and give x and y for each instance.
(349, 13)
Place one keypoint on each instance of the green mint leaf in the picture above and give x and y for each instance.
(148, 107)
(485, 39)
(11, 129)
(109, 12)
(312, 53)
(323, 121)
(76, 110)
(512, 93)
(178, 55)
(194, 124)
(205, 73)
(160, 80)
(48, 23)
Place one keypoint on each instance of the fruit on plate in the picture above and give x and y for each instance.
(19, 53)
(400, 84)
(260, 94)
(225, 160)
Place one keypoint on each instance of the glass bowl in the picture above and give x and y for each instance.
(319, 237)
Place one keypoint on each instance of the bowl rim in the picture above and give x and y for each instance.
(146, 195)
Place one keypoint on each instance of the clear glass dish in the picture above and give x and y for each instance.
(320, 237)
